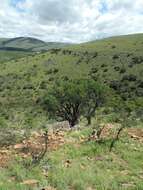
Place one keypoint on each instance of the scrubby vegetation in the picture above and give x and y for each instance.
(98, 88)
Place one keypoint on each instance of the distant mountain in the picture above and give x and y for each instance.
(27, 44)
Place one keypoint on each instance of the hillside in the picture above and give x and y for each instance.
(36, 153)
(74, 160)
(115, 61)
(28, 44)
(13, 48)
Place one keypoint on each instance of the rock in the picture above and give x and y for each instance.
(48, 188)
(62, 126)
(67, 163)
(134, 137)
(35, 134)
(82, 166)
(4, 152)
(125, 172)
(128, 185)
(30, 182)
(19, 146)
(90, 188)
(99, 158)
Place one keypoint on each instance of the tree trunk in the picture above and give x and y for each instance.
(88, 121)
(100, 131)
(73, 121)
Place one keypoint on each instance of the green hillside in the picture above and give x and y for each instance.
(116, 61)
(28, 44)
(37, 153)
(6, 55)
(13, 48)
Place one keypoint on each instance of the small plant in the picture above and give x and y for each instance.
(36, 158)
(113, 46)
(125, 119)
(115, 57)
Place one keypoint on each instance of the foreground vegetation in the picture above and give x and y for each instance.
(79, 163)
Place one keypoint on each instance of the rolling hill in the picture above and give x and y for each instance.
(117, 61)
(32, 156)
(27, 44)
(13, 48)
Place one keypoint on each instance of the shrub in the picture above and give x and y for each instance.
(95, 54)
(103, 65)
(137, 60)
(115, 85)
(129, 77)
(113, 46)
(55, 70)
(9, 137)
(94, 70)
(69, 100)
(122, 70)
(115, 56)
(117, 68)
(105, 70)
(65, 78)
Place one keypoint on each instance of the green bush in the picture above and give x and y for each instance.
(68, 100)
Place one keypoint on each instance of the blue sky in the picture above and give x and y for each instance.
(70, 20)
(14, 2)
(104, 8)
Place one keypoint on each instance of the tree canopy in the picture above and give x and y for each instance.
(68, 100)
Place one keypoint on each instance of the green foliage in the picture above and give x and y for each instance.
(68, 100)
(25, 79)
(9, 137)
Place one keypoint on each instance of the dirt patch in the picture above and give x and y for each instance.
(32, 146)
(5, 157)
(136, 134)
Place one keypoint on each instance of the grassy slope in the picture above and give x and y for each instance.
(19, 47)
(9, 55)
(91, 166)
(80, 165)
(24, 81)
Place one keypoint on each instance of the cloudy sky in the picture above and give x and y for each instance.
(70, 20)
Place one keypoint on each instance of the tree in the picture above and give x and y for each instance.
(95, 98)
(68, 100)
(126, 118)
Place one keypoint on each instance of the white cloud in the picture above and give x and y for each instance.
(72, 21)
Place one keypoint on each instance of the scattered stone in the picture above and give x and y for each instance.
(90, 188)
(134, 137)
(48, 188)
(99, 158)
(136, 134)
(59, 126)
(124, 172)
(82, 166)
(93, 136)
(30, 182)
(67, 163)
(35, 134)
(19, 146)
(128, 185)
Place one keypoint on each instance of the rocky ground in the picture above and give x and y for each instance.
(35, 146)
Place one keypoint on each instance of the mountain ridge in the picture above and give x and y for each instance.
(29, 44)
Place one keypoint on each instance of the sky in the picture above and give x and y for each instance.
(70, 20)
